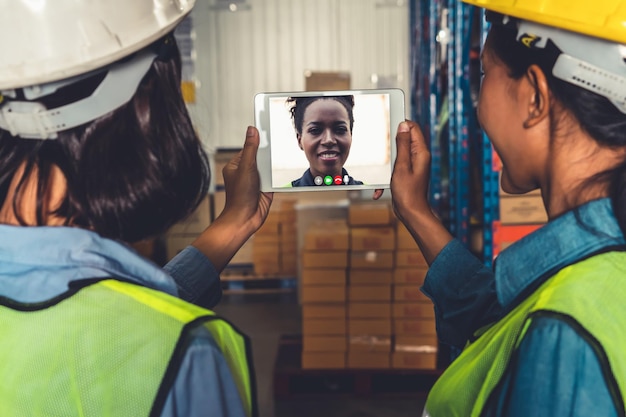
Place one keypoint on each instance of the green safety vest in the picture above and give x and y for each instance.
(586, 292)
(109, 348)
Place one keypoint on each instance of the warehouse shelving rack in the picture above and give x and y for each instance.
(443, 87)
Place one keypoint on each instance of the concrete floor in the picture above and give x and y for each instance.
(264, 318)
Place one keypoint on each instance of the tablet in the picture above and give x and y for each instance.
(327, 140)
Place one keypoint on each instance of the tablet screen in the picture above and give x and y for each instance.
(322, 140)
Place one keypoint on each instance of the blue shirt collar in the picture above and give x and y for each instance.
(563, 241)
(38, 263)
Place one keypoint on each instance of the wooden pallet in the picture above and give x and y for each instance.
(292, 382)
(241, 278)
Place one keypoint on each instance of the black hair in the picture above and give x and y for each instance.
(299, 105)
(132, 173)
(596, 114)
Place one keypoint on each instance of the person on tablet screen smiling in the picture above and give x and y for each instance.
(323, 127)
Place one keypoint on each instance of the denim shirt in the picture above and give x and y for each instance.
(555, 371)
(38, 263)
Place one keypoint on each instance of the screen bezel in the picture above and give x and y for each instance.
(263, 124)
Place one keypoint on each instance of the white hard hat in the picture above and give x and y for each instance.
(49, 40)
(56, 43)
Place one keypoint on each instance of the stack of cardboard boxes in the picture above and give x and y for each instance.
(415, 339)
(520, 214)
(274, 244)
(372, 248)
(183, 233)
(288, 241)
(323, 294)
(361, 303)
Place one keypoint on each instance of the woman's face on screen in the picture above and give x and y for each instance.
(326, 136)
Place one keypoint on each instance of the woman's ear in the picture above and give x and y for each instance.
(538, 96)
(299, 137)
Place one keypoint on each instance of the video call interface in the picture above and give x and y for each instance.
(369, 157)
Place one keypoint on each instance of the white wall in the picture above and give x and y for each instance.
(270, 46)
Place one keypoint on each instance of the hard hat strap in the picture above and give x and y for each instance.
(592, 78)
(31, 119)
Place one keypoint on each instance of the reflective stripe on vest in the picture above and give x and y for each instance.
(110, 348)
(464, 388)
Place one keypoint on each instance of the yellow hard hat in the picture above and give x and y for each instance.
(590, 35)
(604, 19)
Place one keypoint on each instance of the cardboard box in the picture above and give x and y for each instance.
(322, 294)
(324, 311)
(410, 257)
(325, 259)
(266, 243)
(369, 343)
(369, 360)
(372, 260)
(323, 360)
(271, 227)
(175, 244)
(414, 327)
(289, 264)
(288, 231)
(327, 235)
(266, 267)
(522, 210)
(408, 292)
(324, 276)
(410, 275)
(327, 80)
(505, 235)
(404, 240)
(413, 309)
(369, 310)
(357, 293)
(244, 254)
(266, 255)
(220, 159)
(370, 214)
(369, 327)
(368, 276)
(372, 238)
(219, 201)
(413, 360)
(196, 222)
(325, 327)
(324, 343)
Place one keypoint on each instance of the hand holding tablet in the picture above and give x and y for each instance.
(321, 140)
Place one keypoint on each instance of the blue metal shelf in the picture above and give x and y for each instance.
(442, 104)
